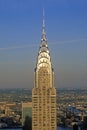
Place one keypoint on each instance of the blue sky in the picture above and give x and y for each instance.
(20, 35)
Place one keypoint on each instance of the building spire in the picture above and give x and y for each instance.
(43, 28)
(43, 24)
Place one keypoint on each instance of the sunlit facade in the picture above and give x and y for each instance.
(43, 92)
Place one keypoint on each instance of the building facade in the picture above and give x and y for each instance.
(26, 111)
(43, 92)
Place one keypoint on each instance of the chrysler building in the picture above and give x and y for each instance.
(43, 92)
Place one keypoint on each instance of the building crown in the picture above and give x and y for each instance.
(43, 59)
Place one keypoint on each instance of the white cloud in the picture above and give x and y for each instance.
(35, 45)
(68, 41)
(16, 47)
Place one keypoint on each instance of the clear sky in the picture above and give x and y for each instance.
(20, 37)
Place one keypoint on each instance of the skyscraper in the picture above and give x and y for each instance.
(43, 92)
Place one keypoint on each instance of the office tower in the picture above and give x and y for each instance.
(26, 112)
(43, 92)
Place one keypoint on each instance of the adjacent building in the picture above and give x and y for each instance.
(26, 111)
(43, 92)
